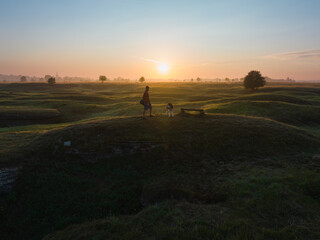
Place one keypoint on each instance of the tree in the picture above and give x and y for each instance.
(51, 81)
(199, 79)
(142, 79)
(102, 78)
(23, 79)
(46, 77)
(254, 80)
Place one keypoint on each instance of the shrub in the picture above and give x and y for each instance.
(102, 78)
(46, 77)
(23, 79)
(51, 81)
(142, 80)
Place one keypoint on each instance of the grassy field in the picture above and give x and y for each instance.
(247, 169)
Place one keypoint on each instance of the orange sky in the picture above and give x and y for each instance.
(206, 39)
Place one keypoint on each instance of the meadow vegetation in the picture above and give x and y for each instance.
(247, 169)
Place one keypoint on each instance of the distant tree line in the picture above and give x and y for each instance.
(103, 78)
(253, 80)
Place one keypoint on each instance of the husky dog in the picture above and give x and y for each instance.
(169, 109)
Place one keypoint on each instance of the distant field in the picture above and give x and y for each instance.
(247, 169)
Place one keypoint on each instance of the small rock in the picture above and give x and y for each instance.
(316, 157)
(8, 176)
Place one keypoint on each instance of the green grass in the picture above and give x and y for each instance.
(248, 169)
(280, 111)
(27, 113)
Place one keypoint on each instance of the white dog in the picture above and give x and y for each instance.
(169, 109)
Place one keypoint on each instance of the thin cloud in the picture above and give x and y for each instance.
(150, 60)
(307, 54)
(201, 64)
(204, 64)
(147, 59)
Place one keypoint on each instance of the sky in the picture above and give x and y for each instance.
(168, 39)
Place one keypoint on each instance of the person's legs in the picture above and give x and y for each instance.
(144, 112)
(150, 109)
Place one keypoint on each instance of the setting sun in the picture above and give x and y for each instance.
(163, 68)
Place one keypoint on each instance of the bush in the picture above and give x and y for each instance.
(51, 81)
(23, 79)
(102, 78)
(254, 80)
(142, 79)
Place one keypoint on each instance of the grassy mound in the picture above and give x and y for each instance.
(275, 97)
(122, 165)
(224, 136)
(277, 206)
(279, 111)
(183, 220)
(21, 115)
(27, 113)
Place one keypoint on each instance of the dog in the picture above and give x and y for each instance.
(169, 110)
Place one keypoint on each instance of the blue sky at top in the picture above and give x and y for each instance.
(113, 35)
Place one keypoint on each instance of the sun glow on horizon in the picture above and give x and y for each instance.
(163, 68)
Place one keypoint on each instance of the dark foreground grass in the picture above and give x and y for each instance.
(122, 166)
(183, 220)
(261, 207)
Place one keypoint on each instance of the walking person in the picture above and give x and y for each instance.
(146, 103)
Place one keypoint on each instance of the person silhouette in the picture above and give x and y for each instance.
(146, 103)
